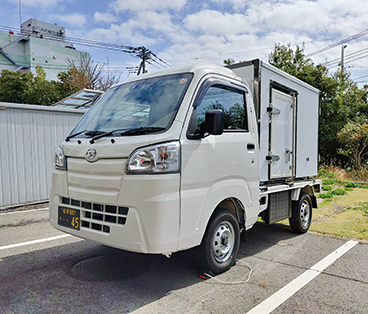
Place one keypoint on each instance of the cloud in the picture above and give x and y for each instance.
(143, 29)
(237, 4)
(104, 17)
(152, 5)
(217, 23)
(71, 19)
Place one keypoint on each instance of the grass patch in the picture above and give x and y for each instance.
(344, 215)
(344, 209)
(363, 206)
(339, 192)
(326, 187)
(351, 185)
(326, 195)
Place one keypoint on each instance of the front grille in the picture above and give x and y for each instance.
(98, 216)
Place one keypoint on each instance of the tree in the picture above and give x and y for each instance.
(27, 88)
(229, 61)
(354, 137)
(14, 86)
(85, 73)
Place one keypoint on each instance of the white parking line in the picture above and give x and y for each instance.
(286, 292)
(24, 211)
(11, 246)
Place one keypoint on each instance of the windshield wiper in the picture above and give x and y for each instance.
(103, 134)
(87, 132)
(143, 130)
(137, 131)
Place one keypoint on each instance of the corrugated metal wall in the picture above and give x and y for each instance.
(28, 136)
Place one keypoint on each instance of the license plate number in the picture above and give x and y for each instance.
(69, 217)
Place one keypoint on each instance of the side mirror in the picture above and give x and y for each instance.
(215, 122)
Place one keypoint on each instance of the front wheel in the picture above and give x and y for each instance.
(301, 218)
(221, 241)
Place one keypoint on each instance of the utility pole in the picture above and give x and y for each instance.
(342, 74)
(342, 59)
(145, 55)
(20, 13)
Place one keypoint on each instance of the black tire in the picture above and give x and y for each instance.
(220, 243)
(301, 218)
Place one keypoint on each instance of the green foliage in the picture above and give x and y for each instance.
(326, 187)
(329, 181)
(27, 88)
(339, 192)
(229, 61)
(323, 173)
(326, 195)
(351, 185)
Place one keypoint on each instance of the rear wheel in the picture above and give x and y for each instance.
(220, 243)
(301, 218)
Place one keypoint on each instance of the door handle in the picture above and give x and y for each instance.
(288, 153)
(251, 146)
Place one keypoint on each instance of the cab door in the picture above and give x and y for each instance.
(217, 167)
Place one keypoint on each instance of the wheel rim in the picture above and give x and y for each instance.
(223, 242)
(305, 214)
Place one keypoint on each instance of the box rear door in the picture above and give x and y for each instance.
(281, 135)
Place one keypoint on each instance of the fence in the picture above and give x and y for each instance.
(28, 136)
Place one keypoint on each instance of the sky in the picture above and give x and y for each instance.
(186, 31)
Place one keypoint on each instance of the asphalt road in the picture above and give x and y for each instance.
(44, 271)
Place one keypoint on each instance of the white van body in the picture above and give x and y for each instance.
(260, 165)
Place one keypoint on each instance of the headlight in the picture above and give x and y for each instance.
(59, 159)
(161, 158)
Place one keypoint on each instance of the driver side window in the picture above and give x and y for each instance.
(230, 101)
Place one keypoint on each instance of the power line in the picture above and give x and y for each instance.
(61, 67)
(139, 52)
(354, 56)
(339, 43)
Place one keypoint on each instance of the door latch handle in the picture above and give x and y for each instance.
(288, 155)
(271, 158)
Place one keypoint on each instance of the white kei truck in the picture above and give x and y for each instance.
(190, 157)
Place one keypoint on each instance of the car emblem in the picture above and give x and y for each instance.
(91, 154)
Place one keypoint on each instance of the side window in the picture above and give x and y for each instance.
(230, 101)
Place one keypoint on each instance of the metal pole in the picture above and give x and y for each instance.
(342, 58)
(20, 13)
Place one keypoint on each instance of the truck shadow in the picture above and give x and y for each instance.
(262, 236)
(85, 277)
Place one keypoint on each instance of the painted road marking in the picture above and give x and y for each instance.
(11, 246)
(286, 292)
(24, 211)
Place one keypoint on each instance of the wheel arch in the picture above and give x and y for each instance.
(309, 190)
(234, 205)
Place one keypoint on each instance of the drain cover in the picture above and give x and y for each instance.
(111, 267)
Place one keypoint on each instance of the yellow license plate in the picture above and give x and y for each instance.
(69, 217)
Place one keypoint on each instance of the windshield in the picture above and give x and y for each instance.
(149, 103)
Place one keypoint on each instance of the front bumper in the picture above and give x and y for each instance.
(137, 213)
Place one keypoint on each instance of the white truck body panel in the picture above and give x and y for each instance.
(262, 79)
